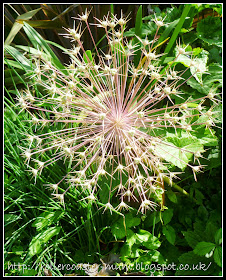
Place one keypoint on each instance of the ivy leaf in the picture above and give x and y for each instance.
(203, 248)
(169, 233)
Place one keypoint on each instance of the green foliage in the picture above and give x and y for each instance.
(188, 230)
(207, 27)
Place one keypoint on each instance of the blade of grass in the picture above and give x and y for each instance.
(17, 25)
(41, 44)
(20, 58)
(177, 30)
(43, 24)
(138, 28)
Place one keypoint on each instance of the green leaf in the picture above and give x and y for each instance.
(131, 221)
(148, 240)
(172, 196)
(44, 24)
(192, 264)
(177, 30)
(118, 228)
(18, 25)
(209, 30)
(204, 136)
(167, 31)
(87, 56)
(199, 197)
(40, 44)
(29, 272)
(218, 236)
(167, 215)
(203, 248)
(178, 150)
(214, 77)
(18, 250)
(169, 233)
(192, 238)
(138, 28)
(35, 246)
(46, 219)
(20, 58)
(200, 60)
(10, 218)
(217, 256)
(131, 238)
(138, 23)
(143, 235)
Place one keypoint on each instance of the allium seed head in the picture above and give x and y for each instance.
(106, 115)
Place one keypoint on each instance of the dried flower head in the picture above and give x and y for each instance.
(110, 114)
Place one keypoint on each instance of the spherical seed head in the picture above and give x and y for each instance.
(146, 205)
(67, 151)
(151, 55)
(59, 197)
(74, 34)
(122, 206)
(209, 123)
(157, 89)
(40, 163)
(198, 154)
(209, 113)
(112, 111)
(35, 120)
(184, 106)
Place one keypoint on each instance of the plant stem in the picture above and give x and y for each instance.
(178, 188)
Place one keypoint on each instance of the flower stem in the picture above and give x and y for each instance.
(178, 188)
